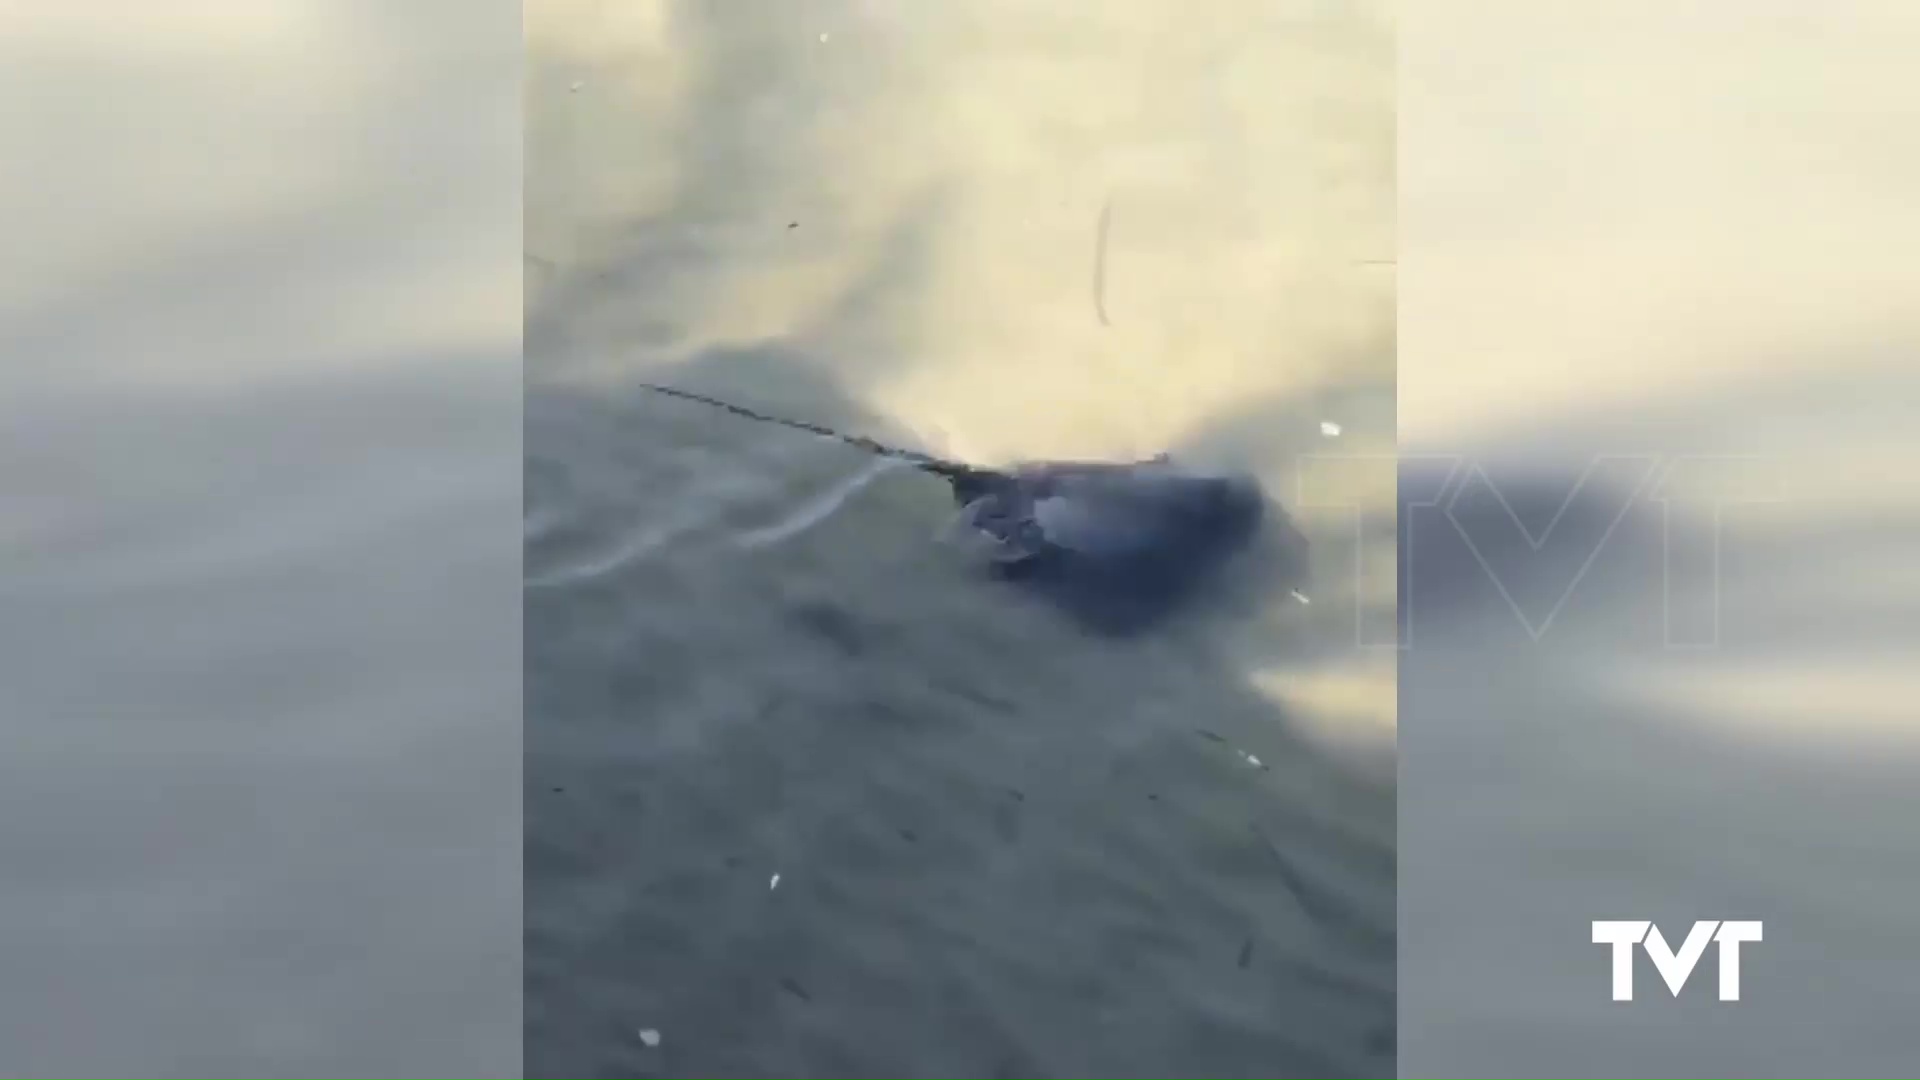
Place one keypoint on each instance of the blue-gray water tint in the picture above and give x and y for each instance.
(257, 790)
(259, 564)
(1546, 787)
(843, 805)
(810, 794)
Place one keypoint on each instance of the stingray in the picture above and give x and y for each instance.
(1117, 546)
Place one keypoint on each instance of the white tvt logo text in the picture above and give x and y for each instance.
(1674, 967)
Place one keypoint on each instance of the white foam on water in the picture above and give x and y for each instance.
(688, 515)
(640, 544)
(819, 509)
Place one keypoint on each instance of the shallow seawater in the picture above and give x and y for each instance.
(839, 805)
(806, 793)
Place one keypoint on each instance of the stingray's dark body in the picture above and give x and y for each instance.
(1142, 539)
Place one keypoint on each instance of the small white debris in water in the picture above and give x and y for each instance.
(1250, 759)
(575, 88)
(1329, 428)
(773, 884)
(1300, 596)
(649, 1038)
(823, 37)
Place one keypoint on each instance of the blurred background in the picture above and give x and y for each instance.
(259, 544)
(1654, 272)
(805, 795)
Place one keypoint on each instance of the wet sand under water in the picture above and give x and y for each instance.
(834, 805)
(806, 795)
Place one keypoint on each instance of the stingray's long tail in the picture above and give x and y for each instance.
(949, 470)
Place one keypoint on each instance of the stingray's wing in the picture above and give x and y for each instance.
(967, 520)
(1100, 523)
(1132, 511)
(970, 529)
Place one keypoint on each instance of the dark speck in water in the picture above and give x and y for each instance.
(832, 624)
(997, 704)
(795, 989)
